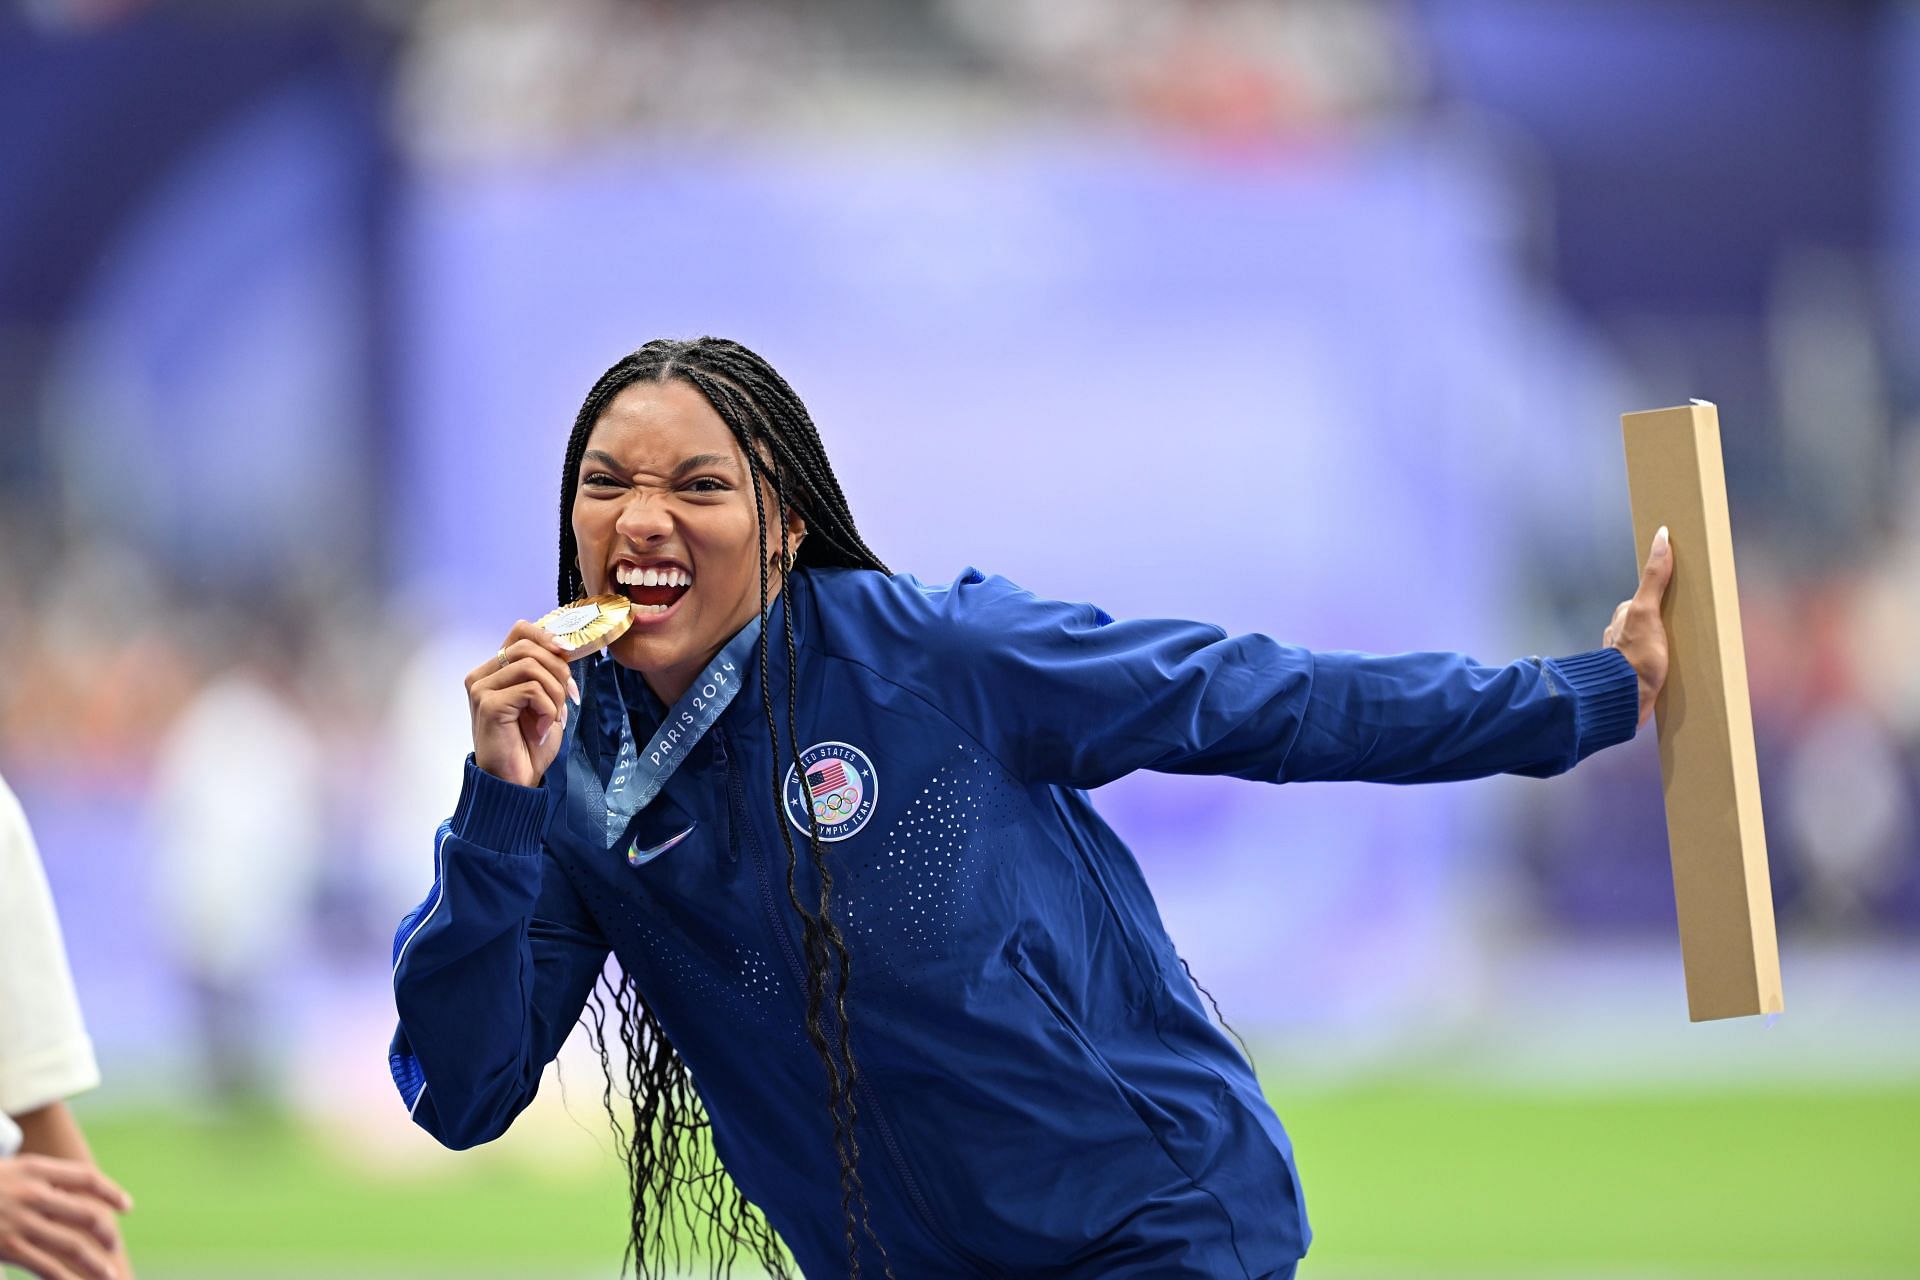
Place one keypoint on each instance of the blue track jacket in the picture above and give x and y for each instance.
(1043, 1093)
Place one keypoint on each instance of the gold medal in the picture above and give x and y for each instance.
(590, 625)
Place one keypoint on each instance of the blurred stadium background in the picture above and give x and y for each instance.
(1312, 317)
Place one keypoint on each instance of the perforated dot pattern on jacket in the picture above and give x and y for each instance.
(736, 982)
(907, 890)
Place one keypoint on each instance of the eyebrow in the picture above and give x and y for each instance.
(695, 463)
(702, 460)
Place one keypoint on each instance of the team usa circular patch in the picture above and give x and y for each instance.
(841, 787)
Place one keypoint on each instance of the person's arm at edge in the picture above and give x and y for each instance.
(49, 1056)
(52, 1131)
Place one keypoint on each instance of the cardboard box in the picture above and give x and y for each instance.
(1704, 718)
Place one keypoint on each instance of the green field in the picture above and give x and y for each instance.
(1401, 1182)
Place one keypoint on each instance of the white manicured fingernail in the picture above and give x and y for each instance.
(1660, 538)
(545, 736)
(573, 689)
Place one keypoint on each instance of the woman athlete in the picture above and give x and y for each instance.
(877, 952)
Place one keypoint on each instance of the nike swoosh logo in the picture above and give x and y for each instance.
(638, 857)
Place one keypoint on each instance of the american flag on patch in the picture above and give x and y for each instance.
(830, 776)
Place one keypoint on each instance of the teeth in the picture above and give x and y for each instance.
(629, 576)
(651, 608)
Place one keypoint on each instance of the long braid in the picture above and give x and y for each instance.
(850, 1173)
(1220, 1017)
(818, 932)
(669, 1124)
(780, 408)
(663, 1107)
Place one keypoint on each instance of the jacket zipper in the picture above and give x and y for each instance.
(781, 930)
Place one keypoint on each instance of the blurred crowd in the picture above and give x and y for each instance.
(505, 77)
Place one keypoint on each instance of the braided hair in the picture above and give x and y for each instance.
(672, 1170)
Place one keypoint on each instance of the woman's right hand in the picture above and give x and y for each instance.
(518, 700)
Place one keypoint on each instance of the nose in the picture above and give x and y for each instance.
(644, 519)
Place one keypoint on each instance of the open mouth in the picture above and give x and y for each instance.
(654, 590)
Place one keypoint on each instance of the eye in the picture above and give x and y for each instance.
(708, 484)
(598, 480)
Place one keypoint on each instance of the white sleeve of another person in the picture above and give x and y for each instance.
(45, 1054)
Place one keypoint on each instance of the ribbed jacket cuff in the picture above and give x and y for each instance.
(499, 815)
(1606, 692)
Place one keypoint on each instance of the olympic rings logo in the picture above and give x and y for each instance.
(832, 808)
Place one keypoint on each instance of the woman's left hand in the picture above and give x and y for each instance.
(1636, 630)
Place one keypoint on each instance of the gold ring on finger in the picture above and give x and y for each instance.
(501, 657)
